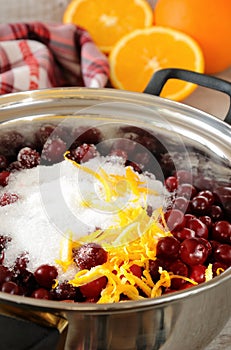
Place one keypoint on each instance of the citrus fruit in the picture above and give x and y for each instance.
(108, 20)
(208, 22)
(138, 55)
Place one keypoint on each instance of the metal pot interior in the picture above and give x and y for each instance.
(182, 137)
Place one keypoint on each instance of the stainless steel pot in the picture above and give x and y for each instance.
(188, 319)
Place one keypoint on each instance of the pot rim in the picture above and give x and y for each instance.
(120, 306)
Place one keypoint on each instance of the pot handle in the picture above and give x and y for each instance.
(159, 79)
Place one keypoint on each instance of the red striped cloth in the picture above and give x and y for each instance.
(39, 55)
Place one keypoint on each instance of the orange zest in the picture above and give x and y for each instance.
(138, 55)
(108, 20)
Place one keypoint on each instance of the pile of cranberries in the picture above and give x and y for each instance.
(198, 217)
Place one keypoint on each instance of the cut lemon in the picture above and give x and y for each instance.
(138, 55)
(108, 20)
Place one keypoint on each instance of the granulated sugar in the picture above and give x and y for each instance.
(54, 200)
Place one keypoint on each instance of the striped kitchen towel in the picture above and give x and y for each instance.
(38, 55)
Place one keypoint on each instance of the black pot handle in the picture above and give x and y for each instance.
(159, 79)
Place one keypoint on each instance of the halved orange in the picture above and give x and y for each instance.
(108, 20)
(138, 55)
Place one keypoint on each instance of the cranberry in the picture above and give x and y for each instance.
(5, 274)
(154, 266)
(41, 293)
(65, 291)
(44, 133)
(218, 267)
(83, 153)
(184, 233)
(197, 273)
(200, 205)
(221, 231)
(10, 287)
(181, 203)
(136, 270)
(11, 141)
(180, 269)
(8, 198)
(90, 255)
(4, 176)
(208, 194)
(124, 144)
(3, 162)
(94, 288)
(45, 275)
(54, 150)
(26, 280)
(223, 254)
(184, 176)
(206, 220)
(186, 190)
(21, 262)
(168, 248)
(86, 134)
(136, 167)
(198, 227)
(4, 240)
(119, 153)
(171, 183)
(28, 158)
(207, 244)
(14, 166)
(216, 213)
(174, 219)
(193, 251)
(187, 217)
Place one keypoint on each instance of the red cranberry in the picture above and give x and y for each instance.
(184, 176)
(200, 205)
(180, 269)
(208, 194)
(10, 287)
(188, 217)
(119, 153)
(184, 233)
(223, 254)
(174, 219)
(90, 255)
(94, 288)
(216, 213)
(197, 273)
(5, 274)
(154, 266)
(193, 251)
(181, 203)
(167, 248)
(86, 134)
(198, 227)
(136, 270)
(83, 153)
(218, 267)
(206, 220)
(65, 291)
(54, 150)
(44, 133)
(41, 293)
(171, 183)
(45, 275)
(4, 176)
(8, 198)
(186, 190)
(221, 231)
(28, 158)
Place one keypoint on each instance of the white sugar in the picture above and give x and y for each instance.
(60, 198)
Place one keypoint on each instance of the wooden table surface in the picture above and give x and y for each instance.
(217, 104)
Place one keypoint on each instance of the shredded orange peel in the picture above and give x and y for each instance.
(133, 245)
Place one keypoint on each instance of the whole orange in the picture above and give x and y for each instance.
(206, 21)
